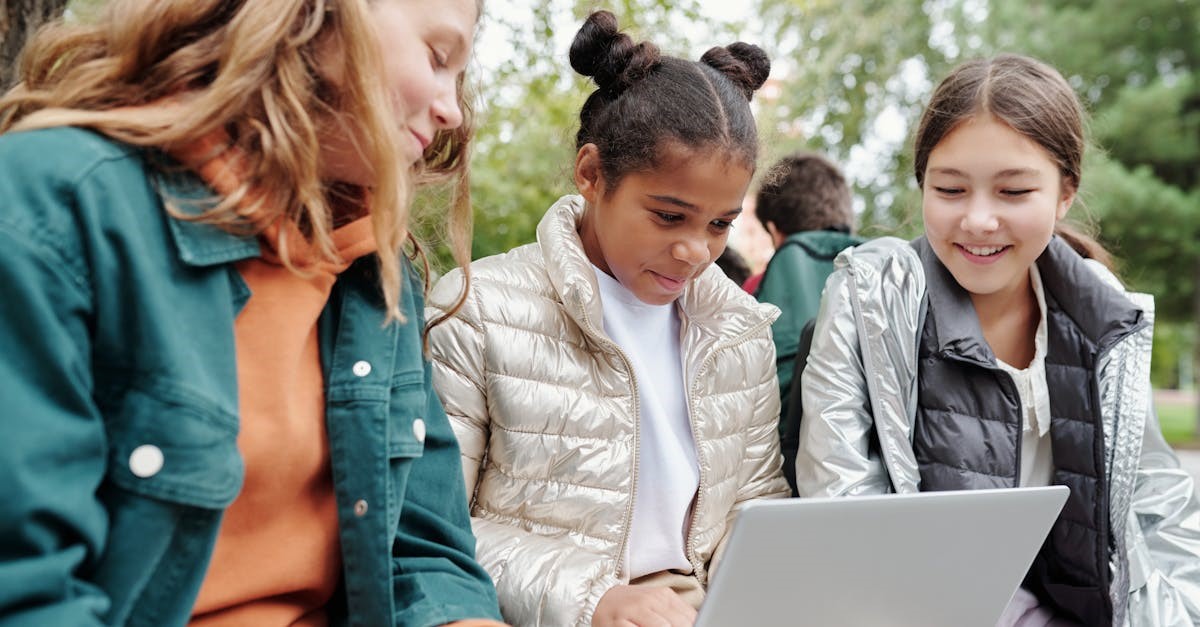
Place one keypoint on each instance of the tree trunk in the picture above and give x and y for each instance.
(19, 20)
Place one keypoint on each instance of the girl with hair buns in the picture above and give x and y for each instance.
(613, 393)
(216, 406)
(999, 351)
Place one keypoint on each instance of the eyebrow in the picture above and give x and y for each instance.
(1003, 174)
(683, 204)
(1011, 172)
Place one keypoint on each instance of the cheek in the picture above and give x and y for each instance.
(717, 246)
(935, 215)
(403, 88)
(1039, 220)
(408, 76)
(418, 90)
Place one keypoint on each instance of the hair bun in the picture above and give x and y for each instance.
(601, 51)
(744, 64)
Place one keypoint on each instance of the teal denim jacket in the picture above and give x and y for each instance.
(116, 332)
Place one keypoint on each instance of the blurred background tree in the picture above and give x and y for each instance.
(19, 19)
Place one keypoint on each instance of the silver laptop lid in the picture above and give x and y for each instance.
(931, 559)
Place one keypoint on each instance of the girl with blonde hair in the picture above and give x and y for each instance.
(217, 410)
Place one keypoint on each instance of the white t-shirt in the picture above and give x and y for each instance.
(1037, 461)
(668, 470)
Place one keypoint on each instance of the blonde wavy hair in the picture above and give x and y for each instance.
(249, 68)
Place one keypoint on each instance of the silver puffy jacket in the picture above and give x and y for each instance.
(546, 412)
(861, 374)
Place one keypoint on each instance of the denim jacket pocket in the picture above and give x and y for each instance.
(406, 430)
(167, 444)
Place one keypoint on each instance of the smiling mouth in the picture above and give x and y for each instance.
(424, 143)
(983, 251)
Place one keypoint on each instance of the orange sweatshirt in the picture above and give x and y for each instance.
(277, 561)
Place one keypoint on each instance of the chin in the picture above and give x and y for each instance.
(980, 288)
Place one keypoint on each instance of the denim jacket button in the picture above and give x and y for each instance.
(361, 368)
(419, 430)
(360, 508)
(145, 461)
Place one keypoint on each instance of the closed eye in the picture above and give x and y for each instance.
(440, 59)
(1015, 192)
(669, 218)
(948, 191)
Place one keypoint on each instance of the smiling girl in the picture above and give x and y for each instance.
(216, 410)
(991, 353)
(613, 393)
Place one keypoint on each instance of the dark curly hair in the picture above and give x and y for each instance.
(645, 100)
(805, 192)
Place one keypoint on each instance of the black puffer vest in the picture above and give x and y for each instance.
(967, 433)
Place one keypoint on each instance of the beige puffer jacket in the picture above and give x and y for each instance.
(546, 413)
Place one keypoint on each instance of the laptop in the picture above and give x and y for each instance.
(932, 559)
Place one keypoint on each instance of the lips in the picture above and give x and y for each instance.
(669, 283)
(421, 140)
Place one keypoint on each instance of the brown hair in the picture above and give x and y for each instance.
(805, 192)
(645, 101)
(1030, 97)
(249, 68)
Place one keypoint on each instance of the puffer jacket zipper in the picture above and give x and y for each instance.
(637, 421)
(697, 566)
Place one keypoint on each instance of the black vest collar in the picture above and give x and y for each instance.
(1100, 311)
(957, 330)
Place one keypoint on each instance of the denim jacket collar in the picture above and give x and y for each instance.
(197, 243)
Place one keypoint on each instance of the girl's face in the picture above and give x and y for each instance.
(425, 46)
(656, 231)
(991, 199)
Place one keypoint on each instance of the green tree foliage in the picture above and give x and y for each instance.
(849, 68)
(1136, 66)
(523, 146)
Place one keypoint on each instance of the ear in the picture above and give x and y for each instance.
(776, 237)
(1066, 199)
(588, 179)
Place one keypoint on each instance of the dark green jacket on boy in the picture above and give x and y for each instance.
(793, 282)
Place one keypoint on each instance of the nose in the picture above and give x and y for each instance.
(691, 250)
(980, 217)
(445, 109)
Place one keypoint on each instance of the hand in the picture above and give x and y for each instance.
(640, 606)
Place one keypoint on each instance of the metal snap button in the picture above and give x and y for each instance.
(145, 461)
(419, 430)
(360, 508)
(361, 368)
